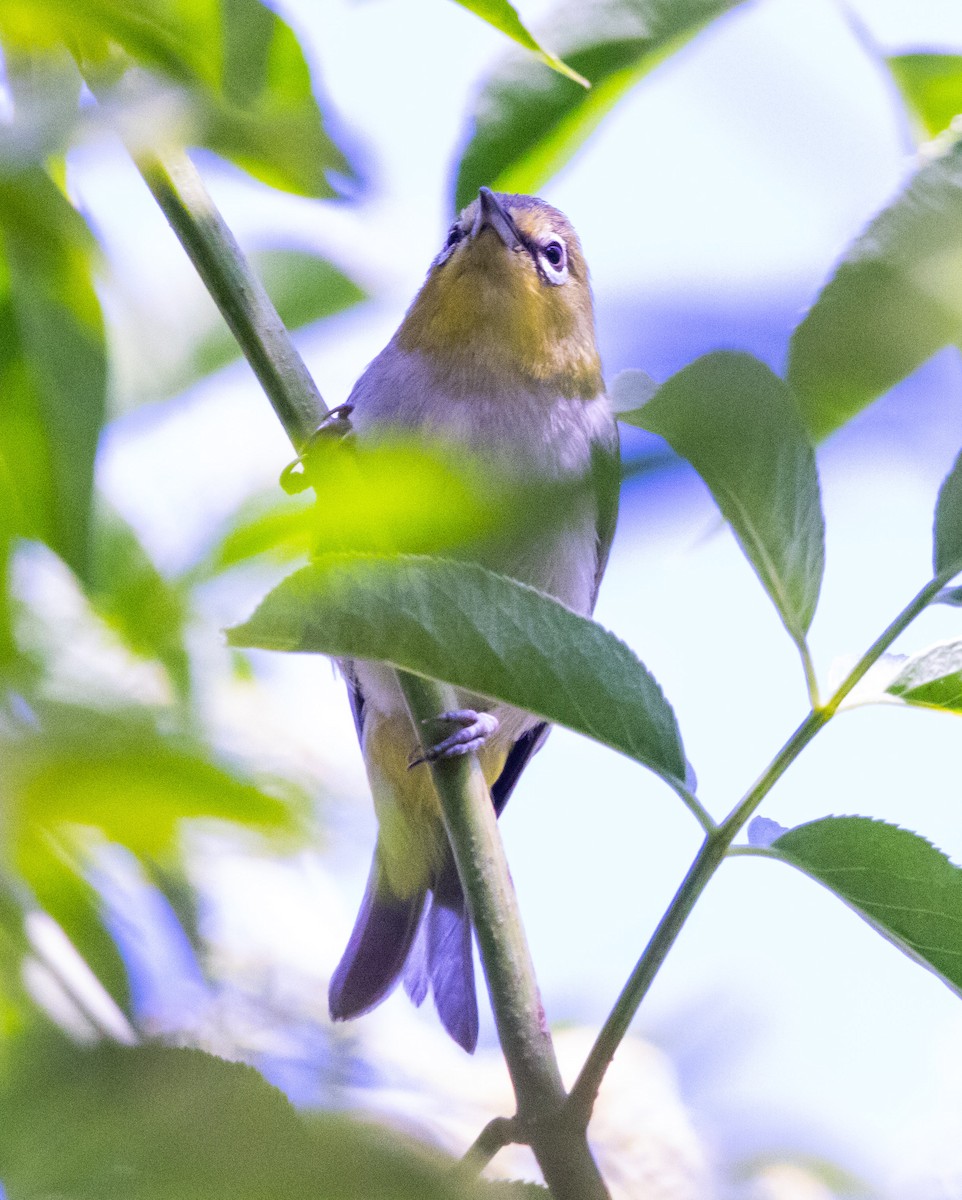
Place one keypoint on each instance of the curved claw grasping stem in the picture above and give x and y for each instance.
(474, 730)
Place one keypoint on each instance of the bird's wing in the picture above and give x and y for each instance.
(356, 697)
(606, 483)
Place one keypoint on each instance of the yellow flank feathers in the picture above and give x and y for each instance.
(412, 840)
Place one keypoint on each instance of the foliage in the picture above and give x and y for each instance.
(81, 774)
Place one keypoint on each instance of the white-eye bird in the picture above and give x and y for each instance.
(496, 355)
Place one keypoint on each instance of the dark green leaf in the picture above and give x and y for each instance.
(53, 367)
(153, 1123)
(932, 87)
(932, 678)
(504, 17)
(529, 120)
(462, 624)
(897, 881)
(947, 533)
(894, 300)
(951, 596)
(738, 425)
(128, 591)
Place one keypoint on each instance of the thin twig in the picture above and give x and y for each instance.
(498, 1133)
(715, 848)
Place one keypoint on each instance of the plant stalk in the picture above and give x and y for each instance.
(713, 851)
(472, 828)
(177, 187)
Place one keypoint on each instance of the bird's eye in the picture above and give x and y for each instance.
(554, 261)
(455, 234)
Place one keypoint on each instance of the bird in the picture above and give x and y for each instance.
(496, 356)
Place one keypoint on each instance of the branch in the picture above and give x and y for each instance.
(179, 190)
(469, 816)
(472, 828)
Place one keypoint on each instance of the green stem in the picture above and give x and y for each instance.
(472, 828)
(716, 846)
(245, 305)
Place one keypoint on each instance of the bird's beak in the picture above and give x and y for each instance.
(491, 215)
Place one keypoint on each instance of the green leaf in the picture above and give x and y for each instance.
(55, 873)
(932, 678)
(529, 120)
(932, 87)
(262, 112)
(396, 495)
(240, 65)
(152, 1123)
(462, 624)
(53, 367)
(947, 533)
(115, 773)
(898, 882)
(131, 595)
(738, 425)
(504, 17)
(893, 301)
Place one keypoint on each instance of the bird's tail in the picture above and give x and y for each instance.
(434, 954)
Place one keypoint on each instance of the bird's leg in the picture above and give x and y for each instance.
(474, 729)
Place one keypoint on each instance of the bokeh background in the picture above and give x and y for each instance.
(712, 204)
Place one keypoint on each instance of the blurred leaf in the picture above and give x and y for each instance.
(131, 595)
(153, 1123)
(947, 533)
(241, 64)
(931, 85)
(303, 287)
(898, 882)
(396, 495)
(55, 875)
(951, 596)
(53, 367)
(265, 117)
(42, 92)
(117, 774)
(932, 678)
(504, 17)
(738, 425)
(893, 301)
(460, 623)
(529, 120)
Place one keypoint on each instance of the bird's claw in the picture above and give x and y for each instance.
(295, 477)
(474, 730)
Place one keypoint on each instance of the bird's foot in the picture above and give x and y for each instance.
(474, 730)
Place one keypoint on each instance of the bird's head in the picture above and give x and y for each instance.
(507, 300)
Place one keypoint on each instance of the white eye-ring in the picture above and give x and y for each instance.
(553, 258)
